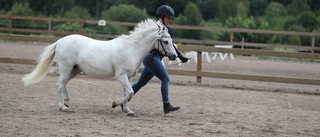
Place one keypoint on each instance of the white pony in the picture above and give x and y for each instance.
(119, 58)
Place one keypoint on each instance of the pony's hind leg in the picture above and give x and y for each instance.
(75, 71)
(66, 74)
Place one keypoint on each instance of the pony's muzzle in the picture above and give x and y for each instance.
(172, 57)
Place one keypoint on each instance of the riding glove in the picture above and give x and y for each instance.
(183, 59)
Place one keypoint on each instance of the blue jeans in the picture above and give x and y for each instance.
(153, 67)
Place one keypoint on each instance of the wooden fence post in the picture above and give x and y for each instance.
(10, 25)
(231, 37)
(199, 65)
(80, 28)
(242, 47)
(49, 27)
(313, 43)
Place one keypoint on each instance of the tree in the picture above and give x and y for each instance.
(21, 9)
(125, 13)
(242, 9)
(150, 6)
(308, 20)
(226, 9)
(257, 23)
(56, 8)
(78, 13)
(232, 8)
(298, 6)
(96, 7)
(257, 7)
(209, 8)
(74, 27)
(6, 4)
(314, 6)
(191, 16)
(275, 14)
(283, 2)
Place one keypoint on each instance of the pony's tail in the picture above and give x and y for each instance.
(45, 62)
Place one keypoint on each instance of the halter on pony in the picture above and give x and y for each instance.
(159, 38)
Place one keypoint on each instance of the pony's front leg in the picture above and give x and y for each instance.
(128, 92)
(125, 106)
(125, 109)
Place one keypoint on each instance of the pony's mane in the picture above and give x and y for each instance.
(147, 24)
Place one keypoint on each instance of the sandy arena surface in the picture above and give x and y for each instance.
(217, 107)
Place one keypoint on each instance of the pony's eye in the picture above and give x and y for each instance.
(165, 42)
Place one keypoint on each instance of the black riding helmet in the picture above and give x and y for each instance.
(165, 10)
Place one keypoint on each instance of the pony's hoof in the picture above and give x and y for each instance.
(132, 115)
(114, 104)
(65, 109)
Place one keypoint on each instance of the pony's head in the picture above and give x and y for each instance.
(164, 43)
(158, 35)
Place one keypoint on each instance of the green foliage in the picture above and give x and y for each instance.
(298, 6)
(191, 16)
(6, 4)
(247, 23)
(305, 22)
(289, 15)
(257, 7)
(3, 22)
(69, 27)
(78, 13)
(291, 24)
(2, 12)
(308, 20)
(208, 8)
(74, 27)
(296, 28)
(243, 9)
(21, 9)
(274, 14)
(292, 40)
(125, 13)
(317, 39)
(95, 7)
(58, 7)
(232, 8)
(210, 35)
(114, 29)
(227, 9)
(181, 20)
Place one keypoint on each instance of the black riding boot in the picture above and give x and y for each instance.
(167, 107)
